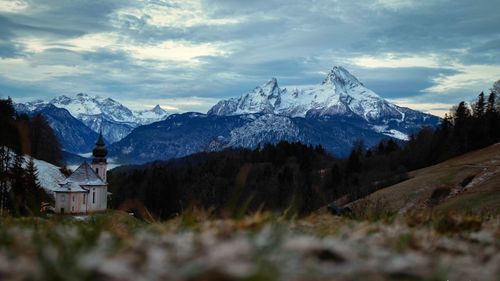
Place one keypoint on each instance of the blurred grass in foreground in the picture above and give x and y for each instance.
(197, 245)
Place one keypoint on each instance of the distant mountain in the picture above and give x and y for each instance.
(74, 136)
(340, 94)
(177, 136)
(98, 113)
(144, 117)
(183, 134)
(335, 114)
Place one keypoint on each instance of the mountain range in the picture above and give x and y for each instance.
(97, 113)
(335, 114)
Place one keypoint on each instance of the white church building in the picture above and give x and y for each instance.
(86, 189)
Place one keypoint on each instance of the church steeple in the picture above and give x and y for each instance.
(99, 153)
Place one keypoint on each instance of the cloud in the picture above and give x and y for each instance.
(391, 60)
(435, 108)
(13, 6)
(26, 72)
(173, 51)
(174, 105)
(477, 77)
(175, 13)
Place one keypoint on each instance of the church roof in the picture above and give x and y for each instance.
(84, 175)
(70, 187)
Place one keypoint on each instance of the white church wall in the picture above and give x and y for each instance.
(70, 202)
(97, 198)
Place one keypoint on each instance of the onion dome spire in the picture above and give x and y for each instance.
(100, 152)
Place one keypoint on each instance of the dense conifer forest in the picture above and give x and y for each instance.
(20, 192)
(295, 176)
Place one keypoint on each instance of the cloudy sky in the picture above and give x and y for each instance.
(187, 54)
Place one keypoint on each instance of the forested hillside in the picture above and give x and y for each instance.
(20, 191)
(296, 176)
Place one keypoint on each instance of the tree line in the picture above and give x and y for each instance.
(30, 136)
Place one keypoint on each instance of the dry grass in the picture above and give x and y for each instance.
(479, 171)
(261, 246)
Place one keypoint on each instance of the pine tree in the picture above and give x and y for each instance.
(354, 162)
(462, 126)
(491, 104)
(335, 180)
(5, 162)
(478, 109)
(492, 117)
(44, 144)
(462, 113)
(8, 132)
(17, 192)
(496, 89)
(478, 130)
(35, 195)
(446, 125)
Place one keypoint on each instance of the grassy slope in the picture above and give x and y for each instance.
(481, 194)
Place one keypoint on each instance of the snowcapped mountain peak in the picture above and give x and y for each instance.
(151, 115)
(340, 76)
(269, 89)
(98, 112)
(86, 97)
(263, 98)
(157, 109)
(62, 99)
(340, 94)
(271, 84)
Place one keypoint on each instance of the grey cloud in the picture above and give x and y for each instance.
(10, 50)
(401, 82)
(292, 40)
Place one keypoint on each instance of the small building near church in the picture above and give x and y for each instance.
(86, 189)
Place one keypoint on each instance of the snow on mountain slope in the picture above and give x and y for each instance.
(268, 128)
(84, 105)
(48, 175)
(114, 119)
(151, 115)
(340, 94)
(262, 99)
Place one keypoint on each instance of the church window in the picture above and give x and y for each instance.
(62, 197)
(97, 170)
(84, 197)
(93, 197)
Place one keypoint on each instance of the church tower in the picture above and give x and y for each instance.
(99, 163)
